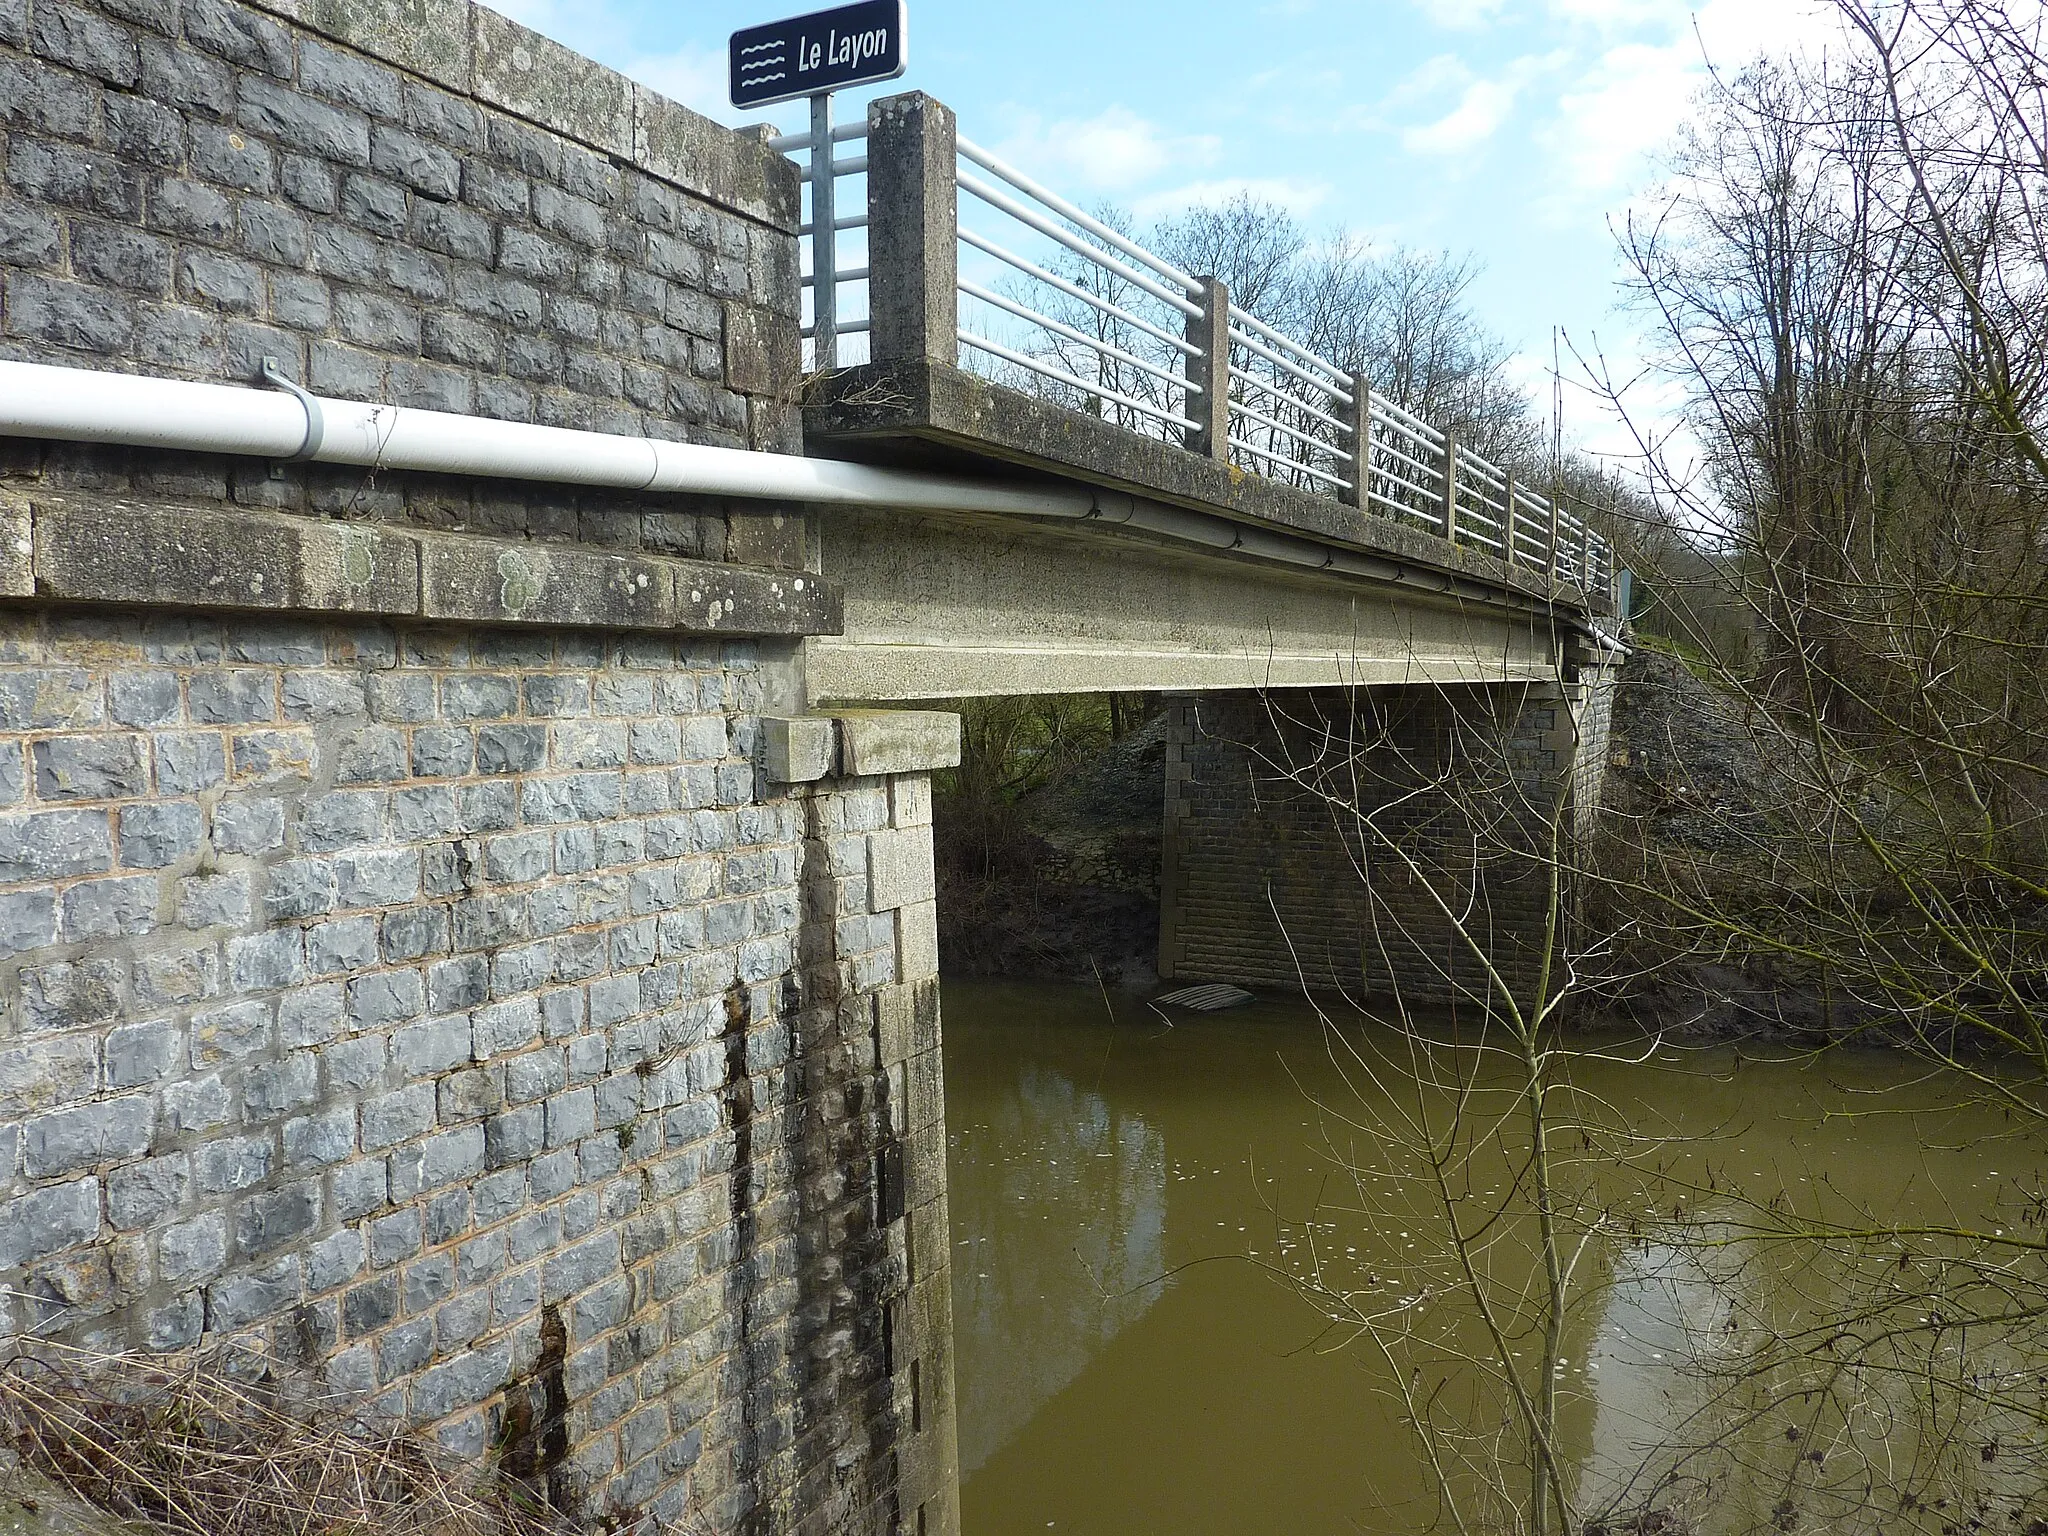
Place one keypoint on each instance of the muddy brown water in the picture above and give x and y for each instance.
(1123, 1193)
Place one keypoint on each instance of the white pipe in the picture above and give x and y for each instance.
(87, 406)
(82, 405)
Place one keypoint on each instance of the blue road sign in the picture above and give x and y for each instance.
(824, 51)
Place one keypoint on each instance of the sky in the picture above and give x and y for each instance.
(1513, 131)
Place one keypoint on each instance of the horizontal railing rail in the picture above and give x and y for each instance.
(968, 260)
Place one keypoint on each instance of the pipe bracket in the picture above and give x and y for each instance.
(316, 424)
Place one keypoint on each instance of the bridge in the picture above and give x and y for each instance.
(467, 925)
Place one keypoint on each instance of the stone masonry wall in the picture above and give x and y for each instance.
(1272, 875)
(408, 965)
(436, 1007)
(429, 205)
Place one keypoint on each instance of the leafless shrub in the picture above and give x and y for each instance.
(214, 1442)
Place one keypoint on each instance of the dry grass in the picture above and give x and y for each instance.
(218, 1442)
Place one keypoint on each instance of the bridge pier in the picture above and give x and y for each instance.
(1377, 840)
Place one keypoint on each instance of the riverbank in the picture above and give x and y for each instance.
(1061, 884)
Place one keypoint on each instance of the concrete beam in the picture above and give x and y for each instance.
(885, 741)
(940, 607)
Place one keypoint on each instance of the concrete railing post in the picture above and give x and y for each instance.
(913, 230)
(1208, 373)
(1356, 440)
(1550, 543)
(1586, 556)
(1450, 488)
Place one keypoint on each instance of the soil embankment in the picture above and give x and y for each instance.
(1062, 884)
(1695, 785)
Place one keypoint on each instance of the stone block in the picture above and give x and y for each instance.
(140, 1054)
(890, 741)
(232, 1033)
(53, 845)
(208, 901)
(17, 540)
(156, 554)
(280, 1087)
(190, 764)
(146, 1192)
(320, 1139)
(797, 750)
(87, 1135)
(66, 995)
(28, 919)
(272, 1218)
(536, 78)
(726, 600)
(917, 941)
(47, 1221)
(498, 582)
(900, 869)
(239, 1300)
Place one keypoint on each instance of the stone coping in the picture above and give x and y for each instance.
(109, 551)
(474, 51)
(918, 399)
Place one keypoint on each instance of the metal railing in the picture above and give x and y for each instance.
(1099, 337)
(1037, 293)
(825, 267)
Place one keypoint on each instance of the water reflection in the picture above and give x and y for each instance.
(1130, 1204)
(1066, 1247)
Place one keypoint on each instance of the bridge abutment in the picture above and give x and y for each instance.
(1376, 840)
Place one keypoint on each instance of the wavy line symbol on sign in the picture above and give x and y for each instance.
(750, 71)
(776, 43)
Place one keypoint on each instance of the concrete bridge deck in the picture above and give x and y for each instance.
(943, 606)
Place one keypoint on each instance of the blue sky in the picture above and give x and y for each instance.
(1512, 130)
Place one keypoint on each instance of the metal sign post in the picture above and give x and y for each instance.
(824, 238)
(814, 55)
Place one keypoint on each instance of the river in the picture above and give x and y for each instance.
(1137, 1201)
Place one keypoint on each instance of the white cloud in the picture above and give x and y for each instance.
(1613, 15)
(1461, 15)
(1428, 81)
(1625, 105)
(1483, 104)
(1113, 151)
(1297, 197)
(1477, 116)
